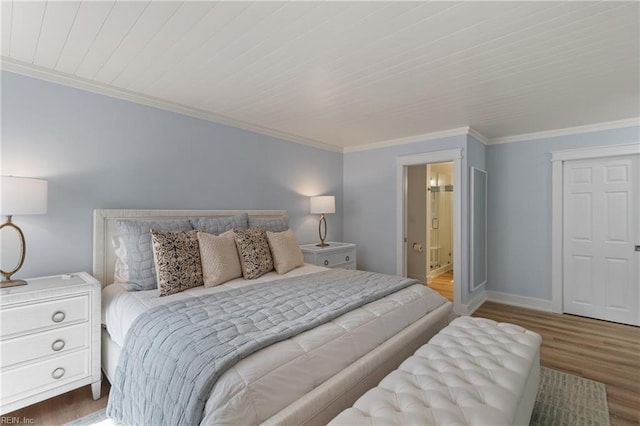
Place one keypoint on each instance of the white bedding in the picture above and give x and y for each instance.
(264, 383)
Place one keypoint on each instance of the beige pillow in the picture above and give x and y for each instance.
(285, 251)
(177, 260)
(220, 262)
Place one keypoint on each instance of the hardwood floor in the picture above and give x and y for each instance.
(598, 350)
(61, 409)
(443, 284)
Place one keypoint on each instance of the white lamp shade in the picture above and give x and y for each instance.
(323, 204)
(23, 196)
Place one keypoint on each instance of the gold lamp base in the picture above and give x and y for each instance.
(7, 281)
(12, 283)
(322, 232)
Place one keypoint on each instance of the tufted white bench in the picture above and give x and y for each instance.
(475, 371)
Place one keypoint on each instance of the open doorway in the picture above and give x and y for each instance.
(405, 245)
(430, 232)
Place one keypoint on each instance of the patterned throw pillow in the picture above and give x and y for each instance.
(255, 257)
(285, 251)
(177, 259)
(220, 262)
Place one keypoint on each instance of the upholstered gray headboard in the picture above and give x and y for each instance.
(104, 230)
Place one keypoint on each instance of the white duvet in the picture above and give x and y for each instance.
(262, 384)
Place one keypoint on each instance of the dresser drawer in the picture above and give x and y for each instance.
(46, 343)
(43, 375)
(41, 315)
(349, 265)
(332, 259)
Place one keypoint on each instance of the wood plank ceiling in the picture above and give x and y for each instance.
(346, 73)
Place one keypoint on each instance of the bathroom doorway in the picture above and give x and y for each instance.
(430, 205)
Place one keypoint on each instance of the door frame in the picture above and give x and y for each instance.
(557, 193)
(402, 162)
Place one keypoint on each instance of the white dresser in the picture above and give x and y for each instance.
(335, 255)
(49, 339)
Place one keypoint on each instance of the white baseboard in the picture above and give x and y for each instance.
(421, 278)
(522, 301)
(475, 303)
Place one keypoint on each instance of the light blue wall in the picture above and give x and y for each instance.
(370, 211)
(476, 157)
(100, 152)
(519, 209)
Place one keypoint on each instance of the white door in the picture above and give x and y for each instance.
(416, 222)
(601, 269)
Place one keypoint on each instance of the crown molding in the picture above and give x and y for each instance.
(473, 132)
(41, 73)
(609, 125)
(460, 131)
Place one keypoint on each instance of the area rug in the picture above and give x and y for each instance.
(563, 399)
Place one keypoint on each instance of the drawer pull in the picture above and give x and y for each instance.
(346, 258)
(58, 373)
(58, 345)
(326, 262)
(58, 316)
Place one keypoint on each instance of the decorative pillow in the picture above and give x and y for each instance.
(253, 249)
(218, 225)
(177, 260)
(121, 271)
(270, 224)
(136, 237)
(285, 251)
(219, 257)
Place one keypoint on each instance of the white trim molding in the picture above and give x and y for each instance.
(609, 125)
(474, 304)
(521, 301)
(473, 132)
(460, 131)
(69, 80)
(402, 163)
(596, 152)
(35, 71)
(558, 158)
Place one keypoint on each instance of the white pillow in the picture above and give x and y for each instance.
(285, 251)
(219, 257)
(121, 273)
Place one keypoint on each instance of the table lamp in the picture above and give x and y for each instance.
(20, 196)
(322, 205)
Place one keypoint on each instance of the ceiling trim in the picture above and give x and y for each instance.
(35, 71)
(473, 132)
(460, 131)
(609, 125)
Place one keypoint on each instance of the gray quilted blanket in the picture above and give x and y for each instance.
(174, 353)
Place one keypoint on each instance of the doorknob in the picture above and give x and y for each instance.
(637, 248)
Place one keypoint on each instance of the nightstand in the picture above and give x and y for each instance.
(335, 255)
(49, 339)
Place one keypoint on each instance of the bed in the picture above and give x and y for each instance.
(316, 374)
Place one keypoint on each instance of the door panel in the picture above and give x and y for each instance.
(416, 243)
(601, 277)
